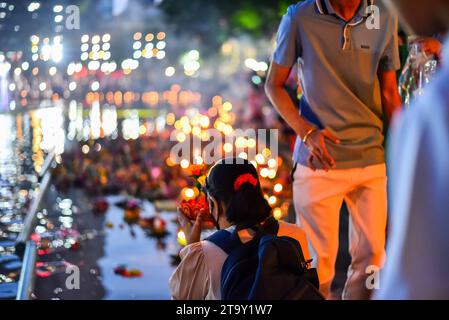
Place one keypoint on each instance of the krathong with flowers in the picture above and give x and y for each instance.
(154, 226)
(132, 212)
(193, 200)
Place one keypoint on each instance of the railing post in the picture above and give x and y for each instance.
(25, 248)
(28, 224)
(27, 273)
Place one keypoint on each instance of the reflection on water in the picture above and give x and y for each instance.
(17, 183)
(48, 127)
(108, 121)
(106, 242)
(25, 140)
(131, 246)
(67, 231)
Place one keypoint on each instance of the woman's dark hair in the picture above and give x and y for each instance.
(245, 205)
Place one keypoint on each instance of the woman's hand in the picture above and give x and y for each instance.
(316, 144)
(192, 230)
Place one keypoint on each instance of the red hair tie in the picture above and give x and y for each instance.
(245, 178)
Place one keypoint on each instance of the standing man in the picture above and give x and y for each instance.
(347, 54)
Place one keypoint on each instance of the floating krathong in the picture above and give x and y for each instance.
(132, 212)
(123, 271)
(156, 226)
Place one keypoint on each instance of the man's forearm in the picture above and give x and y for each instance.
(391, 104)
(391, 100)
(287, 109)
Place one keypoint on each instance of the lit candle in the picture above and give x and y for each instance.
(277, 213)
(278, 187)
(182, 241)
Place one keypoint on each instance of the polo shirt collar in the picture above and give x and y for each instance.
(325, 8)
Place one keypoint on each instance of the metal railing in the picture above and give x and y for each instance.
(30, 218)
(47, 163)
(25, 248)
(27, 273)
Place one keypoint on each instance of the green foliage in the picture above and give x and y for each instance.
(247, 19)
(214, 21)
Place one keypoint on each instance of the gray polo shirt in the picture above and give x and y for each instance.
(338, 63)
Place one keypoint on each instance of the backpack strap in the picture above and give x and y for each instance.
(225, 240)
(228, 241)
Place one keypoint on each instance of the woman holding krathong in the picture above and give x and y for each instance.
(236, 203)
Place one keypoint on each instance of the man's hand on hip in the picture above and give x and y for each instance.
(316, 144)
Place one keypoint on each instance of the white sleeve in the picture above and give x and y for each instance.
(418, 245)
(190, 280)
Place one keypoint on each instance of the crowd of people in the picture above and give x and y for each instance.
(134, 167)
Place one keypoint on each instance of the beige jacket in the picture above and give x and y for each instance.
(198, 275)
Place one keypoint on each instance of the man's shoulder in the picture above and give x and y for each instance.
(301, 8)
(387, 16)
(383, 7)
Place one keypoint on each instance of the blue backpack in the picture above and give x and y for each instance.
(267, 267)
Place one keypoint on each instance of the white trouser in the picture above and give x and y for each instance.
(318, 197)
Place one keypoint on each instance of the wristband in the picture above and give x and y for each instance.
(304, 140)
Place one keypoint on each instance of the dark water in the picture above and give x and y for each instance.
(114, 243)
